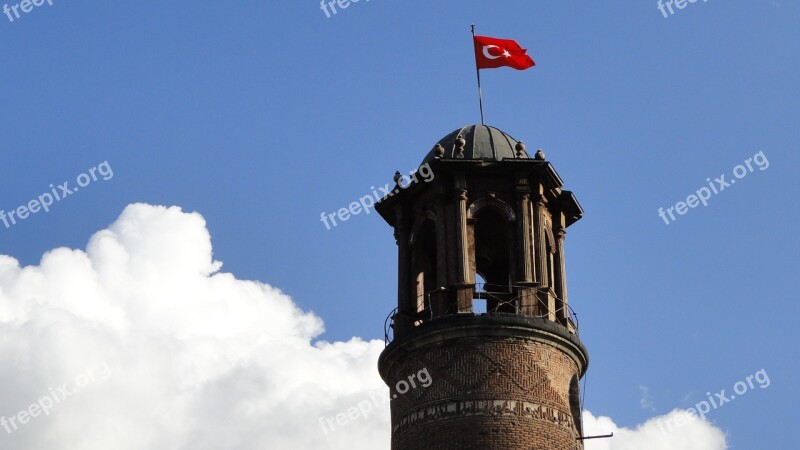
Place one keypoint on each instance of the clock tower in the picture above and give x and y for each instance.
(482, 302)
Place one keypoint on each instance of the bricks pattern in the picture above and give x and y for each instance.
(487, 393)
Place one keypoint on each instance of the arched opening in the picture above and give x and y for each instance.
(424, 251)
(492, 259)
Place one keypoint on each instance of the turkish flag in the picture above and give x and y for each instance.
(492, 52)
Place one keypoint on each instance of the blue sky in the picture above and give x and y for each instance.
(262, 115)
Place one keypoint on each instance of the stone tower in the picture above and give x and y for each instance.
(502, 354)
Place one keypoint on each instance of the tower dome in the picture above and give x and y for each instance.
(479, 142)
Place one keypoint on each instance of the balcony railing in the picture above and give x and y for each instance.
(500, 299)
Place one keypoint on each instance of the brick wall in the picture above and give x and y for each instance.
(487, 393)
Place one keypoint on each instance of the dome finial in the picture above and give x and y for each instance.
(520, 148)
(539, 155)
(460, 143)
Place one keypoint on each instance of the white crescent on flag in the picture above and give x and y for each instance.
(486, 51)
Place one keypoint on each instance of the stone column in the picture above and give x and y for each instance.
(464, 279)
(525, 289)
(524, 256)
(405, 301)
(541, 256)
(561, 272)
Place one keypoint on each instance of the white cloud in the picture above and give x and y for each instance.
(197, 359)
(677, 430)
(171, 353)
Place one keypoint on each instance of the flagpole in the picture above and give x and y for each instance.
(478, 72)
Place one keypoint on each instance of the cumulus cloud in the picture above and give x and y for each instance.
(678, 430)
(158, 349)
(141, 342)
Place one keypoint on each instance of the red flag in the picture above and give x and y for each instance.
(493, 52)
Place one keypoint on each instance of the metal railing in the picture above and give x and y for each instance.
(388, 327)
(504, 299)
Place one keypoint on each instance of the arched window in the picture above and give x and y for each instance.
(424, 250)
(492, 258)
(491, 248)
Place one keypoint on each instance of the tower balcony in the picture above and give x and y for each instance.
(521, 299)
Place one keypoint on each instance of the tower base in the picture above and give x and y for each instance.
(498, 381)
